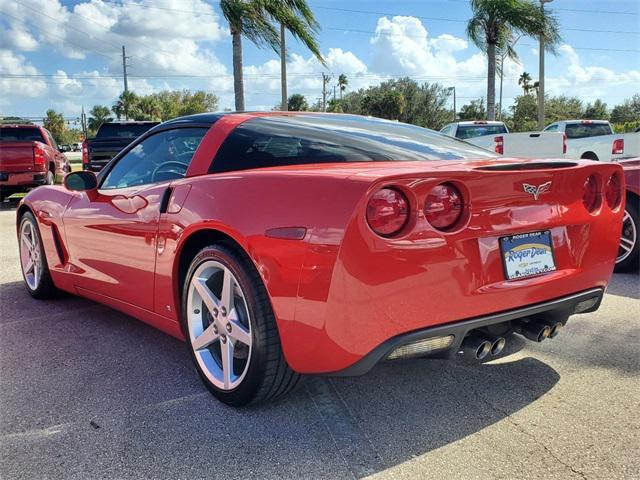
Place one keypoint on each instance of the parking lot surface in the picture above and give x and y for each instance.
(87, 392)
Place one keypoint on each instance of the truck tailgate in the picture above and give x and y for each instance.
(16, 156)
(525, 144)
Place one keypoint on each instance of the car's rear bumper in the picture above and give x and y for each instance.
(552, 311)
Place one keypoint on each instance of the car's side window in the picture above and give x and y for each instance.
(51, 139)
(552, 128)
(163, 156)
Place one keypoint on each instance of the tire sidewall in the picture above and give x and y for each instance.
(258, 314)
(631, 262)
(38, 292)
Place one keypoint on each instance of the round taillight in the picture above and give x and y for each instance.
(613, 191)
(387, 211)
(443, 206)
(591, 197)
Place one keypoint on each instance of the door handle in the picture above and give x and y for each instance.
(164, 202)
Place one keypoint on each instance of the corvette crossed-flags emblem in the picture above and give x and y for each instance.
(536, 191)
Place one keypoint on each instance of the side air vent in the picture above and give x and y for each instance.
(62, 253)
(526, 166)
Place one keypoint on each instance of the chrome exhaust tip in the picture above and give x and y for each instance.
(535, 331)
(555, 329)
(498, 346)
(476, 346)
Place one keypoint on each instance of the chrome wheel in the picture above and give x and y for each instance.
(219, 325)
(30, 257)
(628, 238)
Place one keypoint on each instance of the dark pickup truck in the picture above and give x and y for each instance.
(110, 138)
(29, 157)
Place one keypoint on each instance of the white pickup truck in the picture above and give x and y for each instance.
(595, 140)
(495, 136)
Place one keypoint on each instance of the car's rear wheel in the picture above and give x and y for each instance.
(33, 262)
(231, 331)
(629, 250)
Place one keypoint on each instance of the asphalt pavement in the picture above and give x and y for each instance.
(87, 392)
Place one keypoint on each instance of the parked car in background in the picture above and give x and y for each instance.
(110, 139)
(596, 140)
(29, 156)
(279, 244)
(495, 136)
(629, 251)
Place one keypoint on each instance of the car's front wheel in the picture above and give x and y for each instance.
(35, 270)
(629, 249)
(231, 331)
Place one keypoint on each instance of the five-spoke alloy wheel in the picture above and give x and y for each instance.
(231, 329)
(35, 270)
(219, 324)
(628, 251)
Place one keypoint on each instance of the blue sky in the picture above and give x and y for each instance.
(66, 54)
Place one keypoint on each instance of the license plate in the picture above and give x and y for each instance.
(527, 254)
(4, 177)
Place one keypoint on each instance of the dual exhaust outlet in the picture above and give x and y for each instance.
(479, 346)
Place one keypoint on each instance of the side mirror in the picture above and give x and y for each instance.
(82, 181)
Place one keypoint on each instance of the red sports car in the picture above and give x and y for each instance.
(281, 244)
(629, 251)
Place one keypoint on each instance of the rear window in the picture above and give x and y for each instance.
(8, 134)
(472, 131)
(124, 130)
(583, 130)
(311, 139)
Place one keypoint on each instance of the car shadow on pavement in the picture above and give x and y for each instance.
(9, 204)
(88, 392)
(625, 285)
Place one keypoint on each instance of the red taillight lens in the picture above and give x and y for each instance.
(38, 157)
(618, 146)
(591, 197)
(499, 141)
(613, 191)
(85, 155)
(443, 206)
(564, 143)
(387, 211)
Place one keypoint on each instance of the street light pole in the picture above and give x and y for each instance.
(541, 75)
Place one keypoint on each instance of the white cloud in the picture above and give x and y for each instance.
(588, 81)
(13, 64)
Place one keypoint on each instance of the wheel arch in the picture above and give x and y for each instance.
(189, 248)
(589, 156)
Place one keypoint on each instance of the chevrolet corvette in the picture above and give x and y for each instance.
(282, 244)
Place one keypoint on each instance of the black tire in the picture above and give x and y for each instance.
(589, 156)
(632, 262)
(51, 178)
(45, 289)
(268, 375)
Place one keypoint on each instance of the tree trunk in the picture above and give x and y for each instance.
(491, 81)
(283, 68)
(238, 82)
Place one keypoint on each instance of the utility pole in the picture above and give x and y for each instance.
(541, 75)
(83, 122)
(124, 69)
(453, 89)
(283, 69)
(126, 84)
(325, 81)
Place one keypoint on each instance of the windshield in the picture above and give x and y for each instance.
(309, 139)
(472, 131)
(12, 134)
(124, 130)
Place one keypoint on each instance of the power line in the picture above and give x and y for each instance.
(440, 19)
(615, 12)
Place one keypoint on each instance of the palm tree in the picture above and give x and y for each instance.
(342, 83)
(125, 105)
(525, 82)
(494, 22)
(99, 115)
(255, 19)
